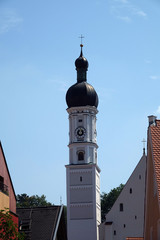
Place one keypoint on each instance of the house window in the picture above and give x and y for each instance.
(1, 183)
(1, 179)
(80, 120)
(130, 190)
(121, 207)
(135, 217)
(114, 232)
(124, 225)
(80, 179)
(24, 227)
(80, 156)
(139, 177)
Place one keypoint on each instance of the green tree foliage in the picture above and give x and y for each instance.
(8, 229)
(23, 200)
(108, 199)
(65, 213)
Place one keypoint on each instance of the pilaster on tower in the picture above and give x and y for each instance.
(83, 173)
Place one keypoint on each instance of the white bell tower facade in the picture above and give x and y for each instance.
(83, 173)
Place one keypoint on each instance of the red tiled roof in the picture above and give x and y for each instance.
(134, 238)
(155, 138)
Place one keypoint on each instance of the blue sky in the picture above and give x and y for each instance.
(38, 46)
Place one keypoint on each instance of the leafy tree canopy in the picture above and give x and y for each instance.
(108, 199)
(23, 200)
(8, 229)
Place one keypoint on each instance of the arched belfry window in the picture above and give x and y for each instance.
(80, 155)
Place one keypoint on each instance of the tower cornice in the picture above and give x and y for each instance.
(83, 166)
(83, 109)
(83, 143)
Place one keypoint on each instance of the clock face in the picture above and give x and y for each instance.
(80, 132)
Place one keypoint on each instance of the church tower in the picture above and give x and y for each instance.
(83, 173)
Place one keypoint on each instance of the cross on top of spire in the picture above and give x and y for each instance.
(81, 40)
(144, 141)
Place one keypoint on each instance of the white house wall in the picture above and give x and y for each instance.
(130, 221)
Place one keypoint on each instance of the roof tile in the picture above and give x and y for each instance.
(40, 221)
(155, 138)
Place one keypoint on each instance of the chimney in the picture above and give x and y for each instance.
(152, 120)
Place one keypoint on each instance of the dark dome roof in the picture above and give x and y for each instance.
(81, 62)
(81, 94)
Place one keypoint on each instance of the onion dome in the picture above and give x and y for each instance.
(81, 93)
(81, 62)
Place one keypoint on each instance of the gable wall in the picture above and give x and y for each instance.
(5, 174)
(130, 221)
